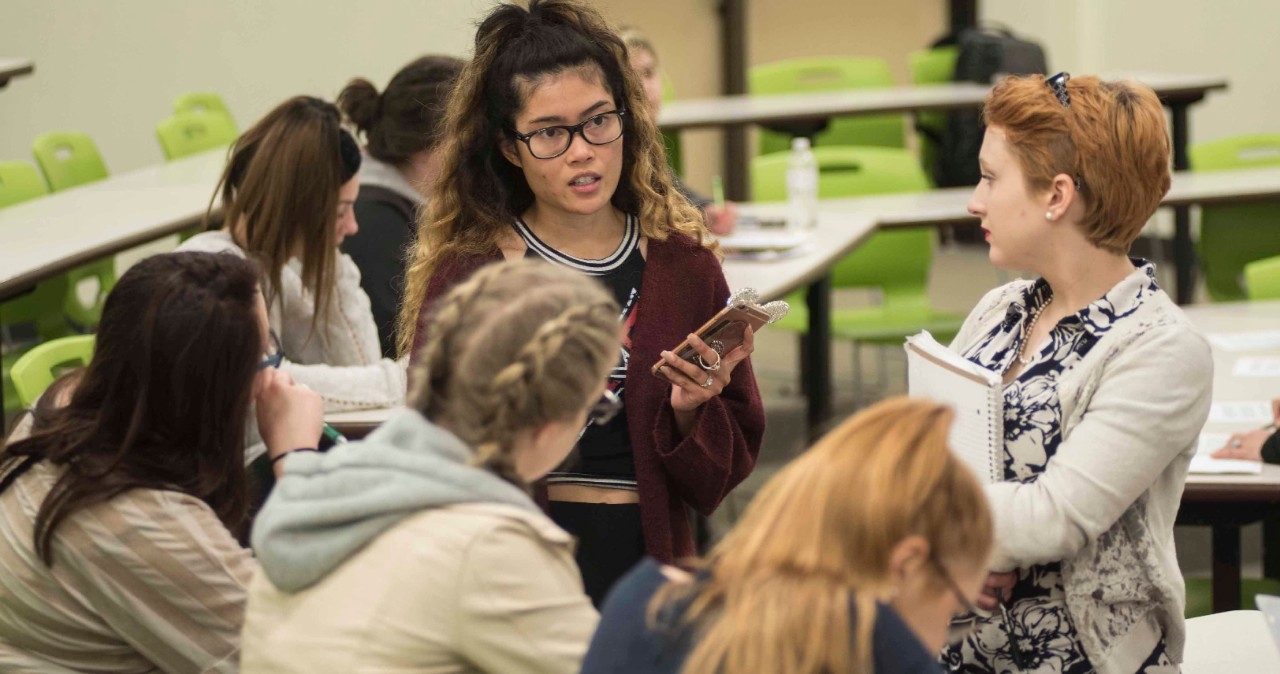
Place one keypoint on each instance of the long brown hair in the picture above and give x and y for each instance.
(817, 540)
(479, 193)
(164, 402)
(517, 345)
(282, 182)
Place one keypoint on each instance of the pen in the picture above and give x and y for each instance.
(332, 435)
(717, 191)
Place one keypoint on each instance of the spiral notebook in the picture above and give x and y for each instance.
(974, 392)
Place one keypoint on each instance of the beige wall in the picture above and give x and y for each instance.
(1233, 38)
(112, 68)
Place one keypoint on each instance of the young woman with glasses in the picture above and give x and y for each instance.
(854, 558)
(552, 154)
(420, 548)
(119, 513)
(288, 195)
(1106, 385)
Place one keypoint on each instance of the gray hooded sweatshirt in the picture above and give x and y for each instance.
(327, 507)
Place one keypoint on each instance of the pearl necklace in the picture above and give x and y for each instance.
(1029, 329)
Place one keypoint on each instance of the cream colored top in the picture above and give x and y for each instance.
(342, 360)
(463, 588)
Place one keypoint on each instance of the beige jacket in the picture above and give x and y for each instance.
(481, 587)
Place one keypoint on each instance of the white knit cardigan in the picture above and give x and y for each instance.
(1105, 506)
(341, 360)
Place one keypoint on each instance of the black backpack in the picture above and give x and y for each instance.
(983, 54)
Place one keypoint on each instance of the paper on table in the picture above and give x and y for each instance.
(1244, 412)
(974, 392)
(1203, 462)
(1262, 340)
(1257, 366)
(1207, 465)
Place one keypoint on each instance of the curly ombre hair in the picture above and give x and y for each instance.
(479, 194)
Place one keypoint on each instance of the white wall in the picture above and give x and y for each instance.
(112, 69)
(1232, 38)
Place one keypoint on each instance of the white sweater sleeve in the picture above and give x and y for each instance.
(1148, 408)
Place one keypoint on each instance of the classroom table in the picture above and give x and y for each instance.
(1177, 92)
(1227, 502)
(1237, 642)
(50, 235)
(14, 67)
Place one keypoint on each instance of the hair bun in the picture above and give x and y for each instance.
(361, 103)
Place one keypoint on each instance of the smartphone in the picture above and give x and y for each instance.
(723, 333)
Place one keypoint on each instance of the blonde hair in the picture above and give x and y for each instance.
(818, 538)
(479, 194)
(517, 345)
(1113, 140)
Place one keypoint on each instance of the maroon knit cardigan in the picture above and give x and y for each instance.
(683, 286)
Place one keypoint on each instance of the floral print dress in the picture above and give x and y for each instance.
(1040, 626)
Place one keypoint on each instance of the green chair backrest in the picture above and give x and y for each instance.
(1231, 236)
(37, 368)
(932, 66)
(19, 181)
(671, 139)
(68, 159)
(834, 73)
(1262, 279)
(42, 307)
(896, 260)
(188, 133)
(99, 278)
(202, 102)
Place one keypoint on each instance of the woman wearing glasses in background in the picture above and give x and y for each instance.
(119, 514)
(1106, 385)
(552, 154)
(853, 558)
(419, 548)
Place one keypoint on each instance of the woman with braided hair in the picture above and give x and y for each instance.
(551, 153)
(420, 547)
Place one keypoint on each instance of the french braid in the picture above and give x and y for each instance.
(519, 345)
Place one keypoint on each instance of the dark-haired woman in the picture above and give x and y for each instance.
(117, 514)
(288, 195)
(551, 154)
(401, 133)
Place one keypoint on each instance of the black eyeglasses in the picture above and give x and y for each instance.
(552, 141)
(605, 409)
(1058, 83)
(274, 357)
(971, 613)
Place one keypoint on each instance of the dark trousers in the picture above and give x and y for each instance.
(610, 541)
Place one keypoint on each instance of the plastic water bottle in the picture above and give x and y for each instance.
(802, 187)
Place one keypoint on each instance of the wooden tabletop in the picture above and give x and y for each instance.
(14, 67)
(749, 109)
(51, 234)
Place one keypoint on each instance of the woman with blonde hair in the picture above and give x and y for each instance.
(288, 193)
(1106, 384)
(420, 548)
(853, 558)
(551, 154)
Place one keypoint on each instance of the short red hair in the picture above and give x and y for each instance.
(1113, 139)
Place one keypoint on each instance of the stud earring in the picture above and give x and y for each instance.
(1048, 215)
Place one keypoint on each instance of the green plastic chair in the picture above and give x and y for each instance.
(42, 307)
(932, 66)
(1262, 279)
(894, 261)
(1232, 236)
(68, 159)
(188, 133)
(203, 102)
(829, 74)
(37, 368)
